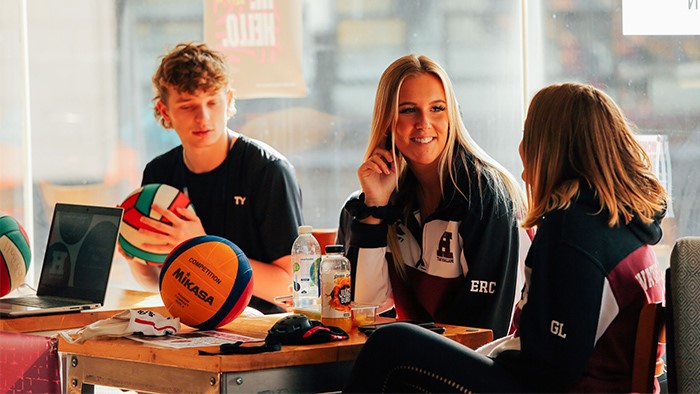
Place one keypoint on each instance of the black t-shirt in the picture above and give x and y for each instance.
(252, 199)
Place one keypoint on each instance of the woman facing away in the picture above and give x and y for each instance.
(597, 208)
(434, 232)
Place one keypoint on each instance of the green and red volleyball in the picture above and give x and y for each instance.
(15, 254)
(139, 204)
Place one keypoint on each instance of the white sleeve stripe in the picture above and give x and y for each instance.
(372, 284)
(609, 309)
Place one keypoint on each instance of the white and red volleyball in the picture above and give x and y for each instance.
(15, 254)
(206, 281)
(139, 204)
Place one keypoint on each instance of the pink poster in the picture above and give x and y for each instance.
(262, 42)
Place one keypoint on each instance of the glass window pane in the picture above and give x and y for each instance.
(653, 78)
(347, 45)
(77, 155)
(11, 109)
(94, 131)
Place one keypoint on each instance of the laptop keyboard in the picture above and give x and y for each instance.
(40, 302)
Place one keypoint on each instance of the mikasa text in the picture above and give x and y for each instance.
(184, 279)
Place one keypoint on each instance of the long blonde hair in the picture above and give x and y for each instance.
(576, 133)
(385, 118)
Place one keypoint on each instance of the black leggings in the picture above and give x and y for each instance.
(403, 357)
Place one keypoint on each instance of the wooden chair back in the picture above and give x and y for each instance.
(90, 194)
(651, 333)
(325, 237)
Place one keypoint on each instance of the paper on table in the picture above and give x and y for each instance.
(195, 339)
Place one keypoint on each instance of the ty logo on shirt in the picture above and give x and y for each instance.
(239, 200)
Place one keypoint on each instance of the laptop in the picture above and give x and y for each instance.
(76, 265)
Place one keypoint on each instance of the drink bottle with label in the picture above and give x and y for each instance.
(336, 293)
(306, 259)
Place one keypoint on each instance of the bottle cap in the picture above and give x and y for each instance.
(335, 249)
(305, 229)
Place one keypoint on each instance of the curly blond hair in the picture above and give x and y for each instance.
(188, 68)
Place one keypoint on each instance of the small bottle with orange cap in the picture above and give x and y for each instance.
(336, 293)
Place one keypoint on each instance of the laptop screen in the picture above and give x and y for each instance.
(79, 252)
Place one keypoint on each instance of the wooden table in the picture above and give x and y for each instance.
(128, 364)
(116, 301)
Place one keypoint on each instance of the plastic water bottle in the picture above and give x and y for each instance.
(306, 260)
(336, 293)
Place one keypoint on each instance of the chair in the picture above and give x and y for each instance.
(651, 334)
(325, 237)
(28, 363)
(90, 194)
(683, 316)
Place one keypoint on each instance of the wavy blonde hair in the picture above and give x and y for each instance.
(576, 133)
(385, 118)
